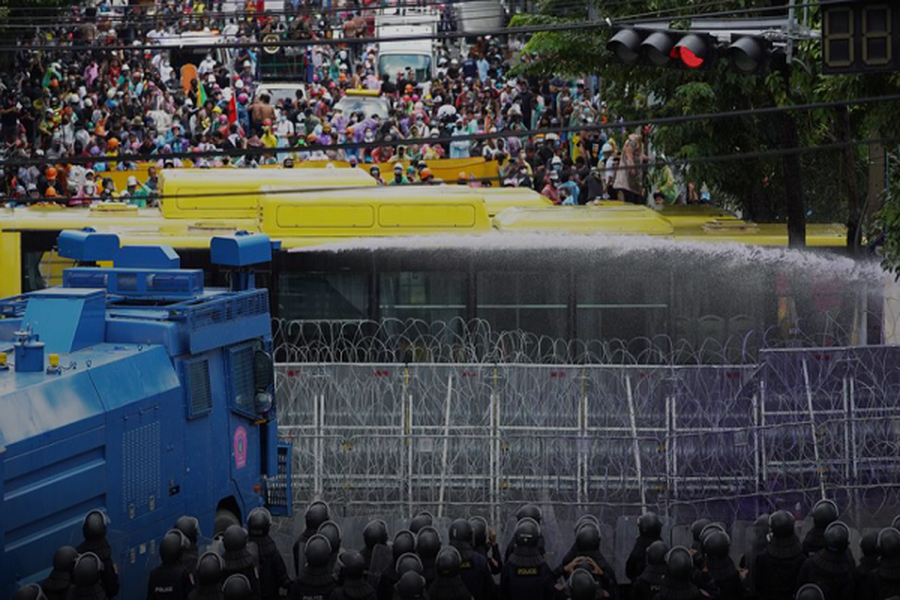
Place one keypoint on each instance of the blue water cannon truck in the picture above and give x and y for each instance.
(135, 390)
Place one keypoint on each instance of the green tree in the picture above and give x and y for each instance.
(788, 187)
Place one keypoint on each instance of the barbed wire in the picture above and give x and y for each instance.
(725, 442)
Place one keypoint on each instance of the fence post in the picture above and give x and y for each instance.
(495, 450)
(446, 449)
(636, 446)
(409, 446)
(854, 450)
(812, 427)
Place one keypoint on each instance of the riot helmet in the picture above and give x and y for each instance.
(318, 551)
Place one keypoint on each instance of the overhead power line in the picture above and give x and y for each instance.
(253, 152)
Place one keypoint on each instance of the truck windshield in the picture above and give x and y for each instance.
(391, 64)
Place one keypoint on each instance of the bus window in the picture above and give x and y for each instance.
(534, 302)
(328, 296)
(421, 295)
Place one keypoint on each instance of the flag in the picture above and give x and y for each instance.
(232, 109)
(201, 95)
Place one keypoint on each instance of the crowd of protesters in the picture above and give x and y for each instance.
(115, 108)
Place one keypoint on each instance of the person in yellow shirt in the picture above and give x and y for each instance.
(269, 139)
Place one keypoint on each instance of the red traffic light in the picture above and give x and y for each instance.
(694, 50)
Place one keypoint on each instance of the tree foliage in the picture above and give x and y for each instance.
(834, 182)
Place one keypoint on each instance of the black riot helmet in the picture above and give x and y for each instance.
(479, 531)
(697, 528)
(461, 531)
(94, 526)
(423, 519)
(710, 529)
(64, 559)
(411, 586)
(837, 537)
(316, 514)
(581, 585)
(409, 562)
(869, 544)
(87, 569)
(428, 542)
(404, 543)
(351, 565)
(32, 591)
(318, 550)
(679, 564)
(781, 524)
(650, 525)
(448, 562)
(896, 523)
(716, 544)
(586, 519)
(189, 526)
(259, 522)
(824, 513)
(530, 511)
(527, 533)
(588, 538)
(888, 543)
(375, 533)
(237, 587)
(656, 553)
(810, 591)
(209, 569)
(171, 546)
(332, 531)
(235, 538)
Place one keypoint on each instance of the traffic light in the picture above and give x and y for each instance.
(861, 36)
(663, 47)
(752, 55)
(694, 50)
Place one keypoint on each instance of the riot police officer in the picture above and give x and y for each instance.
(526, 575)
(87, 577)
(238, 558)
(190, 527)
(272, 570)
(884, 582)
(448, 585)
(352, 584)
(649, 582)
(316, 514)
(56, 586)
(678, 584)
(868, 546)
(332, 531)
(316, 582)
(208, 577)
(170, 580)
(237, 587)
(473, 567)
(410, 586)
(94, 530)
(649, 531)
(778, 566)
(404, 542)
(824, 513)
(585, 554)
(581, 585)
(528, 511)
(422, 519)
(376, 551)
(696, 529)
(428, 544)
(716, 545)
(829, 568)
(484, 542)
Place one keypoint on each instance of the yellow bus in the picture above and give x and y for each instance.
(450, 255)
